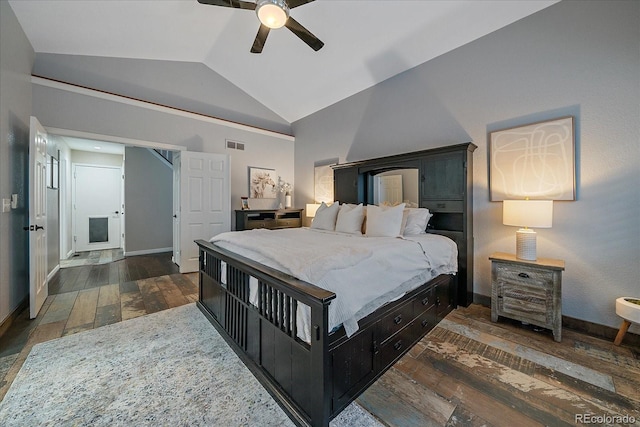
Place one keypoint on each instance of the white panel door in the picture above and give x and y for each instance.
(38, 287)
(205, 202)
(176, 208)
(97, 203)
(389, 189)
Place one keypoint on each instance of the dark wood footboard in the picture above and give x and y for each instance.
(313, 382)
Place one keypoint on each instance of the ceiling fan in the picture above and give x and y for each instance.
(272, 14)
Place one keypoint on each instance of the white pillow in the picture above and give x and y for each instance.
(350, 219)
(417, 220)
(325, 218)
(384, 221)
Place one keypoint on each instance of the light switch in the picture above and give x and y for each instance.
(14, 201)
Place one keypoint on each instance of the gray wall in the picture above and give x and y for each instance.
(56, 108)
(16, 60)
(573, 58)
(186, 85)
(148, 201)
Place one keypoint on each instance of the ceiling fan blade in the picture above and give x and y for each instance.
(237, 4)
(296, 3)
(304, 34)
(261, 38)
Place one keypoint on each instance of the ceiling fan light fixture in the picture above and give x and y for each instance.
(272, 13)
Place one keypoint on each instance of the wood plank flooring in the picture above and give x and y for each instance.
(87, 297)
(469, 371)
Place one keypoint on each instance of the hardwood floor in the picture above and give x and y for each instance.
(467, 371)
(472, 372)
(87, 297)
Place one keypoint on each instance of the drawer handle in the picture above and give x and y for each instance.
(424, 323)
(441, 205)
(425, 301)
(398, 345)
(398, 319)
(523, 275)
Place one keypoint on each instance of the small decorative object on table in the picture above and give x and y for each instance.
(286, 188)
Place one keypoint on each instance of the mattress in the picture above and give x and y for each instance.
(364, 272)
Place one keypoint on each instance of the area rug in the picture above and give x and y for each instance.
(167, 368)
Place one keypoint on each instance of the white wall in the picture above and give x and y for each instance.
(573, 58)
(66, 235)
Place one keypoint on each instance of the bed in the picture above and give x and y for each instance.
(312, 354)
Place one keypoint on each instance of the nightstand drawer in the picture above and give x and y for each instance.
(523, 301)
(524, 275)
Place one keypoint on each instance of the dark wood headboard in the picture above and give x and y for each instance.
(445, 188)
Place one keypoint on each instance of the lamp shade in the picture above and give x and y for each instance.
(528, 213)
(311, 209)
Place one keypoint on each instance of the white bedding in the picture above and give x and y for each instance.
(364, 272)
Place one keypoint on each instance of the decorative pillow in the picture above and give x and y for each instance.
(350, 219)
(417, 220)
(384, 221)
(325, 218)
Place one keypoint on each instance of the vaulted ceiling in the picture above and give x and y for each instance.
(366, 42)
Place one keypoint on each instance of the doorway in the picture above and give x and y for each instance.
(97, 212)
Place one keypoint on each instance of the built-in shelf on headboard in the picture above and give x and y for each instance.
(445, 188)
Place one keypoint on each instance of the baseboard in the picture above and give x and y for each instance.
(482, 300)
(148, 251)
(8, 321)
(589, 328)
(600, 331)
(53, 272)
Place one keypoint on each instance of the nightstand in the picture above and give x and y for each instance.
(529, 291)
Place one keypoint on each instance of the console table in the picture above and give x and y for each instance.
(268, 218)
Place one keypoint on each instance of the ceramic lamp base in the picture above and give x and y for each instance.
(526, 244)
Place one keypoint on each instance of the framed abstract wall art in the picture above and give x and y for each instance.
(323, 183)
(535, 161)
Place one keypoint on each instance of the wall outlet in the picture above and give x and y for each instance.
(6, 205)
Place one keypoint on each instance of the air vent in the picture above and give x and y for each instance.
(235, 145)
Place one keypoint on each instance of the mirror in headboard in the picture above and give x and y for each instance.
(396, 186)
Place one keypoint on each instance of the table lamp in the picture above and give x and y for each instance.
(525, 214)
(311, 209)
